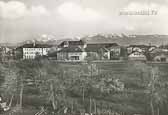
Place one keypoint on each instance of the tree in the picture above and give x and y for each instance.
(157, 91)
(9, 86)
(151, 86)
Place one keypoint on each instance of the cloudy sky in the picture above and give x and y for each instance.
(28, 19)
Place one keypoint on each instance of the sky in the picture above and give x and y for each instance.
(29, 19)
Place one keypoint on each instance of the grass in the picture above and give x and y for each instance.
(134, 75)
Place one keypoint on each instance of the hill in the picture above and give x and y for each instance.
(129, 40)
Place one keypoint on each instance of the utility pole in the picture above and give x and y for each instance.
(83, 94)
(95, 107)
(90, 106)
(53, 96)
(21, 95)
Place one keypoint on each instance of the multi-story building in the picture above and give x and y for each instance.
(32, 50)
(72, 50)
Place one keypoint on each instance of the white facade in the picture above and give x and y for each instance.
(31, 53)
(77, 56)
(107, 55)
(137, 56)
(71, 56)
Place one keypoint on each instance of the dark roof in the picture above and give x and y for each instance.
(72, 49)
(92, 48)
(106, 45)
(72, 42)
(141, 46)
(164, 46)
(158, 51)
(35, 46)
(95, 48)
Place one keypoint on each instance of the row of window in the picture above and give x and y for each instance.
(35, 49)
(31, 52)
(29, 57)
(74, 57)
(30, 49)
(75, 54)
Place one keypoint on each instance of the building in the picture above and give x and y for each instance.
(6, 53)
(70, 50)
(71, 53)
(164, 48)
(88, 50)
(104, 50)
(103, 46)
(137, 56)
(79, 50)
(32, 50)
(115, 52)
(97, 52)
(161, 58)
(140, 48)
(159, 55)
(136, 48)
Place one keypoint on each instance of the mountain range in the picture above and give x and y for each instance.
(122, 39)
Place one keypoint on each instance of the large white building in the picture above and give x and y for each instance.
(32, 50)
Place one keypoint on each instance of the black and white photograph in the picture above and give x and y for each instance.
(83, 57)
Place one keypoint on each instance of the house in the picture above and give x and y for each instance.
(161, 58)
(137, 56)
(140, 48)
(6, 53)
(97, 52)
(159, 55)
(52, 53)
(103, 44)
(88, 50)
(164, 48)
(137, 48)
(104, 50)
(151, 48)
(71, 53)
(32, 50)
(69, 50)
(115, 52)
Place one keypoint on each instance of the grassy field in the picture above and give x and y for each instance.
(69, 79)
(135, 77)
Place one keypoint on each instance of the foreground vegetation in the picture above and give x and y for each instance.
(75, 88)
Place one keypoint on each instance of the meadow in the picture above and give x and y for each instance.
(105, 88)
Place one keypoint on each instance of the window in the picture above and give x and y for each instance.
(74, 57)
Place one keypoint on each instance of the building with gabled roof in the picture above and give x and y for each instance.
(159, 55)
(137, 56)
(32, 50)
(71, 53)
(68, 43)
